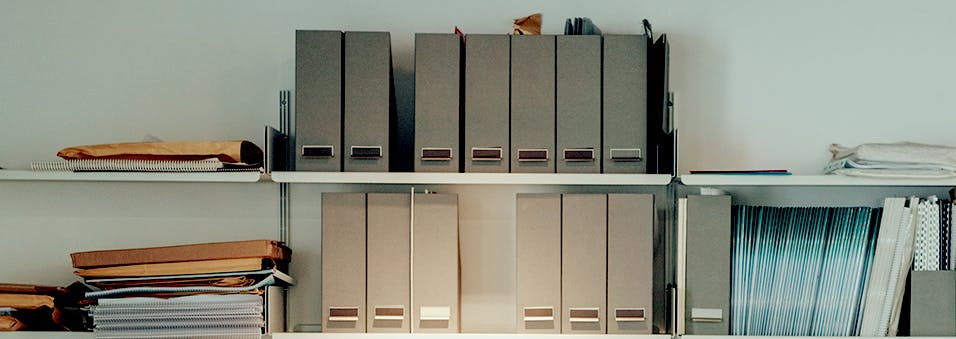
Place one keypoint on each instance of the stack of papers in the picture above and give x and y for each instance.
(897, 160)
(199, 316)
(800, 271)
(229, 289)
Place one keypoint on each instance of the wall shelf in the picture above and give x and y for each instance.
(604, 179)
(805, 180)
(25, 175)
(461, 335)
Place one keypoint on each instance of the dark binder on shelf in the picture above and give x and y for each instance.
(630, 263)
(388, 255)
(318, 101)
(625, 104)
(532, 103)
(276, 155)
(538, 263)
(707, 306)
(368, 101)
(343, 262)
(661, 133)
(435, 275)
(487, 112)
(584, 263)
(438, 107)
(578, 103)
(933, 303)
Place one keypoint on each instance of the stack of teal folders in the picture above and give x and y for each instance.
(801, 270)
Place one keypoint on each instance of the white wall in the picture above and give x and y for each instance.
(761, 84)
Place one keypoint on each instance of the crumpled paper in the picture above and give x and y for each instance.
(529, 25)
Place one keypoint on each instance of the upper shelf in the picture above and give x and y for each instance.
(23, 175)
(605, 179)
(804, 180)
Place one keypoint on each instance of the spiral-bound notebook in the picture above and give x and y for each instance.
(230, 315)
(134, 165)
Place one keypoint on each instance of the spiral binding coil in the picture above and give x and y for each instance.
(128, 165)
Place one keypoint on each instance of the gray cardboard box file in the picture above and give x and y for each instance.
(625, 103)
(367, 101)
(437, 102)
(388, 257)
(933, 303)
(584, 263)
(578, 104)
(487, 114)
(532, 103)
(630, 263)
(435, 303)
(343, 262)
(707, 309)
(538, 263)
(318, 101)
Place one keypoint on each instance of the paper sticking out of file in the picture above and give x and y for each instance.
(529, 25)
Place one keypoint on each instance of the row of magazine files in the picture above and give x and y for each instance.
(584, 263)
(813, 271)
(485, 103)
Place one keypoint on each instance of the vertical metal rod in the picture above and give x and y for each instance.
(285, 208)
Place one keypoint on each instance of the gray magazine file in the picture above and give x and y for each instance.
(532, 103)
(707, 309)
(933, 303)
(625, 103)
(388, 255)
(437, 102)
(578, 104)
(367, 101)
(435, 303)
(318, 101)
(584, 263)
(343, 262)
(630, 263)
(538, 263)
(487, 110)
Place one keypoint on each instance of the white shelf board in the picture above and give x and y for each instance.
(461, 335)
(604, 179)
(24, 175)
(786, 337)
(46, 335)
(804, 180)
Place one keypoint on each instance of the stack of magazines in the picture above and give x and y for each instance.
(833, 271)
(234, 289)
(800, 270)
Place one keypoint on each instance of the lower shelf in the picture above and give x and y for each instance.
(461, 335)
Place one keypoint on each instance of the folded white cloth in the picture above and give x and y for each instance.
(901, 152)
(895, 174)
(897, 160)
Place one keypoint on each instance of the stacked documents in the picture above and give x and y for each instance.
(800, 270)
(229, 289)
(198, 316)
(896, 160)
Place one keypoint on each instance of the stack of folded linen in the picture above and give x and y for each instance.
(896, 160)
